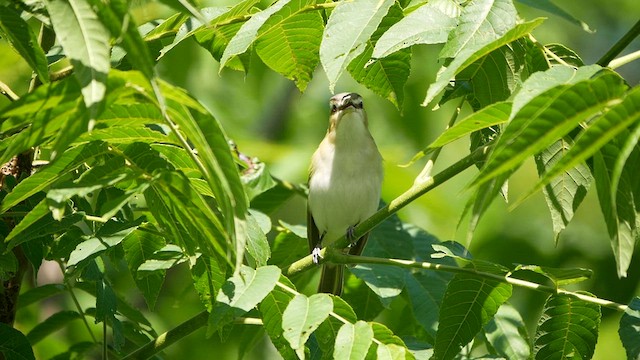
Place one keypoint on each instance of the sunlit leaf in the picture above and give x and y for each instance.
(353, 341)
(568, 328)
(302, 317)
(24, 41)
(550, 7)
(140, 246)
(507, 333)
(272, 309)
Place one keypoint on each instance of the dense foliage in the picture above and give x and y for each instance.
(110, 169)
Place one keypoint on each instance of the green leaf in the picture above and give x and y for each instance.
(190, 26)
(14, 345)
(185, 6)
(53, 323)
(140, 246)
(426, 291)
(247, 33)
(481, 22)
(559, 276)
(302, 317)
(353, 341)
(116, 17)
(241, 293)
(289, 42)
(39, 293)
(548, 6)
(288, 248)
(15, 30)
(388, 345)
(349, 27)
(257, 244)
(468, 305)
(166, 28)
(507, 334)
(565, 192)
(568, 328)
(208, 274)
(470, 55)
(272, 308)
(327, 332)
(51, 173)
(629, 330)
(425, 25)
(103, 240)
(257, 180)
(548, 117)
(364, 301)
(86, 44)
(387, 76)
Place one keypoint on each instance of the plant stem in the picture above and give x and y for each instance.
(617, 48)
(7, 92)
(623, 60)
(353, 259)
(418, 189)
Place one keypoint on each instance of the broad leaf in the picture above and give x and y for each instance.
(272, 308)
(302, 317)
(629, 330)
(86, 44)
(480, 22)
(14, 345)
(559, 276)
(547, 117)
(507, 334)
(241, 293)
(470, 55)
(140, 246)
(24, 41)
(425, 25)
(468, 305)
(349, 27)
(568, 328)
(353, 341)
(327, 333)
(53, 323)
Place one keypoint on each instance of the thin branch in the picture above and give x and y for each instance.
(342, 258)
(624, 60)
(7, 92)
(66, 72)
(418, 189)
(617, 48)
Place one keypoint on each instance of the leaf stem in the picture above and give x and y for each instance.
(77, 305)
(342, 258)
(416, 191)
(617, 48)
(7, 92)
(623, 60)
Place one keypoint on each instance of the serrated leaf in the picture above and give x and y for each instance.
(349, 27)
(247, 33)
(470, 55)
(257, 180)
(568, 328)
(546, 118)
(327, 332)
(86, 44)
(191, 26)
(426, 291)
(302, 317)
(388, 345)
(24, 41)
(565, 192)
(353, 341)
(51, 173)
(14, 345)
(272, 308)
(290, 40)
(425, 25)
(257, 244)
(629, 330)
(469, 303)
(51, 324)
(387, 76)
(241, 293)
(480, 22)
(139, 246)
(102, 241)
(506, 332)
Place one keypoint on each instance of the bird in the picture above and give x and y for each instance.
(345, 181)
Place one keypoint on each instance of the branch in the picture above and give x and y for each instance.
(617, 48)
(6, 91)
(418, 189)
(342, 258)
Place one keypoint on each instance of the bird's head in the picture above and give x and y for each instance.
(346, 108)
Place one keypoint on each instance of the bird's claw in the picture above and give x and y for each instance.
(315, 255)
(351, 234)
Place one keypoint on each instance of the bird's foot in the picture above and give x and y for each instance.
(315, 255)
(351, 234)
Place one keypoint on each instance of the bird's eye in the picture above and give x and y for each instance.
(334, 108)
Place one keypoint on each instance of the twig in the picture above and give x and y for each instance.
(623, 60)
(62, 73)
(617, 48)
(395, 205)
(7, 92)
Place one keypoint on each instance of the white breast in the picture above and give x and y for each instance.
(344, 188)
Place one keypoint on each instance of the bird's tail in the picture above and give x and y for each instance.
(331, 279)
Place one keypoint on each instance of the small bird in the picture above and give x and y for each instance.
(345, 179)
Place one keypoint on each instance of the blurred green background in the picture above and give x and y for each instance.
(270, 119)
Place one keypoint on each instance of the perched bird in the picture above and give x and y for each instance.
(344, 184)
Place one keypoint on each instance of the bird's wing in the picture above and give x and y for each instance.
(313, 234)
